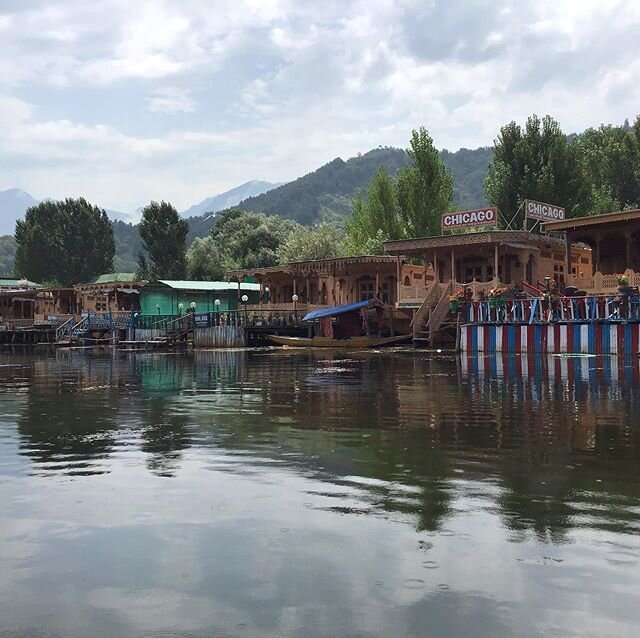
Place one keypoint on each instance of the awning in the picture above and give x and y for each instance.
(338, 310)
(128, 291)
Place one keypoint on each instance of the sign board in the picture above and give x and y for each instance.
(466, 218)
(202, 320)
(542, 212)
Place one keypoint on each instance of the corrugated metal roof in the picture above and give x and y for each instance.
(208, 285)
(114, 277)
(18, 283)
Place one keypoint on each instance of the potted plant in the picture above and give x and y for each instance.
(497, 296)
(455, 302)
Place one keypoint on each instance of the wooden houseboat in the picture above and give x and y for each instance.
(479, 262)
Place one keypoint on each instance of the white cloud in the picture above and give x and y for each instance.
(171, 100)
(284, 86)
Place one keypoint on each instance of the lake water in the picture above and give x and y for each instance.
(289, 493)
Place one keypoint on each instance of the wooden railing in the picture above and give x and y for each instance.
(414, 293)
(14, 324)
(602, 284)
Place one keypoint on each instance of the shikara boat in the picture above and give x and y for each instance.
(342, 327)
(328, 342)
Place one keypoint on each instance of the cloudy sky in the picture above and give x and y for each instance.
(125, 101)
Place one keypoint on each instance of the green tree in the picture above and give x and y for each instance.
(304, 244)
(7, 254)
(375, 216)
(611, 163)
(164, 235)
(409, 206)
(425, 187)
(536, 162)
(251, 240)
(65, 242)
(205, 260)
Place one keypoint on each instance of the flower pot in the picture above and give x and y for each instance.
(454, 306)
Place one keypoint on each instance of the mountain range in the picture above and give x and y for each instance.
(324, 194)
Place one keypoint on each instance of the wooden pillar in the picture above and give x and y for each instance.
(596, 262)
(295, 287)
(453, 265)
(496, 263)
(398, 277)
(627, 237)
(308, 290)
(435, 267)
(377, 284)
(567, 254)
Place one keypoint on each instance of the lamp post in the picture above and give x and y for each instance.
(244, 300)
(158, 308)
(180, 307)
(547, 283)
(216, 303)
(294, 298)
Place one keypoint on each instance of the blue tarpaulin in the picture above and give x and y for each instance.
(337, 310)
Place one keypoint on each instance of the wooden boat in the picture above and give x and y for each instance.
(328, 342)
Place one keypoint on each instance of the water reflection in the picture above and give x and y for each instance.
(317, 494)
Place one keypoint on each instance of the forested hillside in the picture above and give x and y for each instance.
(325, 194)
(327, 191)
(469, 166)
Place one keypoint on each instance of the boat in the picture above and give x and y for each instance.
(342, 327)
(328, 342)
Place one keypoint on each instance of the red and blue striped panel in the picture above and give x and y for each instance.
(587, 338)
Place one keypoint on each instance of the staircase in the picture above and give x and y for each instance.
(423, 314)
(430, 317)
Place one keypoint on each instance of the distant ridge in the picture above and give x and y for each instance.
(229, 198)
(13, 203)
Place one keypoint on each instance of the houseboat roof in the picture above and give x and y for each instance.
(18, 284)
(206, 285)
(339, 310)
(520, 238)
(593, 220)
(113, 277)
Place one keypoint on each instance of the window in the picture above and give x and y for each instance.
(407, 281)
(417, 275)
(386, 293)
(367, 290)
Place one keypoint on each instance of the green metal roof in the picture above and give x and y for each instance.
(18, 283)
(114, 277)
(207, 285)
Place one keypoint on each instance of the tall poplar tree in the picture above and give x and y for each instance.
(164, 237)
(535, 162)
(425, 187)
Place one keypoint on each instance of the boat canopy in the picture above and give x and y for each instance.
(338, 310)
